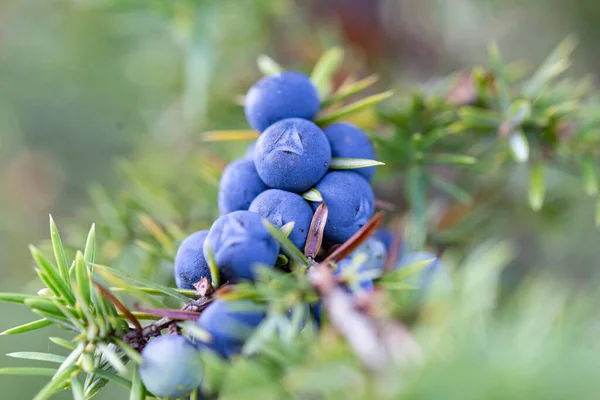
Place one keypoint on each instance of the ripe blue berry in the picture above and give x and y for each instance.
(350, 201)
(190, 264)
(385, 236)
(280, 207)
(374, 253)
(292, 155)
(171, 366)
(230, 324)
(348, 141)
(273, 98)
(239, 242)
(239, 185)
(357, 278)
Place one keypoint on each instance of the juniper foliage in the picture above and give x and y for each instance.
(471, 342)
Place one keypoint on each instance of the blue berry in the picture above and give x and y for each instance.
(362, 266)
(190, 264)
(273, 98)
(292, 155)
(356, 278)
(171, 366)
(280, 207)
(348, 141)
(230, 324)
(385, 236)
(374, 253)
(239, 242)
(239, 185)
(350, 201)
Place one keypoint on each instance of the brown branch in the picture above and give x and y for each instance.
(356, 240)
(178, 315)
(120, 306)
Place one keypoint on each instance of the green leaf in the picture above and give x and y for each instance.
(518, 112)
(138, 391)
(451, 189)
(195, 331)
(519, 146)
(18, 298)
(31, 326)
(312, 195)
(268, 66)
(22, 371)
(537, 185)
(55, 385)
(111, 376)
(322, 74)
(140, 282)
(212, 266)
(26, 355)
(286, 245)
(287, 228)
(113, 359)
(416, 193)
(46, 306)
(63, 343)
(58, 283)
(71, 314)
(159, 234)
(477, 118)
(589, 174)
(89, 253)
(402, 274)
(353, 108)
(71, 359)
(84, 281)
(452, 159)
(77, 389)
(59, 251)
(344, 92)
(281, 260)
(557, 63)
(353, 163)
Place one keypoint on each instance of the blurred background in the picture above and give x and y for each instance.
(98, 92)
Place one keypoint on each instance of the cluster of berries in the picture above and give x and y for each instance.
(291, 156)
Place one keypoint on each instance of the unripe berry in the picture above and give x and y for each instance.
(239, 243)
(230, 324)
(171, 366)
(280, 207)
(190, 264)
(292, 155)
(348, 141)
(286, 95)
(350, 201)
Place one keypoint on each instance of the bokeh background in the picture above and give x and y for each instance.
(90, 89)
